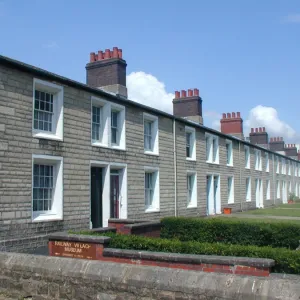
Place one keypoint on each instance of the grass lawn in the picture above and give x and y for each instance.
(289, 210)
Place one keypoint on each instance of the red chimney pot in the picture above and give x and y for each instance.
(196, 92)
(238, 114)
(183, 94)
(190, 93)
(177, 94)
(233, 115)
(224, 116)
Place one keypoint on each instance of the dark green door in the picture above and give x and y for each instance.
(96, 197)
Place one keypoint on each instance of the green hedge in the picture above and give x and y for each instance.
(232, 231)
(287, 261)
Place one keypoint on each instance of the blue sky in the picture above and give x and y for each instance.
(242, 55)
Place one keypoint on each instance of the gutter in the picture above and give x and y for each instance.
(175, 168)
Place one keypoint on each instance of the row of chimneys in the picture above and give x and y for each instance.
(107, 70)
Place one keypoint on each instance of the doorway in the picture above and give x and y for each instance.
(96, 197)
(114, 194)
(213, 200)
(259, 193)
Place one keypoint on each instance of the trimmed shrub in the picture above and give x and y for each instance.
(232, 231)
(286, 261)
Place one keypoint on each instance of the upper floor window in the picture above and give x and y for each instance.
(190, 140)
(295, 170)
(108, 124)
(229, 154)
(289, 168)
(258, 160)
(212, 148)
(47, 110)
(150, 134)
(247, 157)
(277, 164)
(267, 162)
(283, 166)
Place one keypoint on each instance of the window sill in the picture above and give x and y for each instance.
(36, 217)
(192, 206)
(152, 210)
(247, 168)
(212, 163)
(148, 152)
(230, 202)
(47, 136)
(99, 145)
(115, 147)
(229, 165)
(191, 159)
(248, 200)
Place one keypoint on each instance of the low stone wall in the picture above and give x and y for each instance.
(97, 248)
(53, 278)
(136, 227)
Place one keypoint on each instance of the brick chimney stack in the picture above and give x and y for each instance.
(188, 104)
(232, 123)
(259, 136)
(291, 151)
(277, 144)
(107, 71)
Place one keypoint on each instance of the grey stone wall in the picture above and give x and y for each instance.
(56, 278)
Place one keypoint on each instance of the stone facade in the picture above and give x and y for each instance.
(17, 147)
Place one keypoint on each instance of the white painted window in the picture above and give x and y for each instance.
(247, 157)
(258, 164)
(47, 121)
(290, 187)
(151, 190)
(151, 134)
(108, 124)
(289, 168)
(296, 189)
(190, 140)
(191, 180)
(267, 162)
(47, 188)
(277, 164)
(295, 170)
(248, 189)
(283, 166)
(212, 149)
(230, 189)
(229, 153)
(268, 189)
(277, 189)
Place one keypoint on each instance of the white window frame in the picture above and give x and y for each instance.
(283, 166)
(192, 133)
(268, 189)
(277, 164)
(289, 168)
(295, 170)
(58, 110)
(248, 189)
(277, 189)
(258, 164)
(212, 148)
(192, 201)
(247, 157)
(105, 128)
(267, 158)
(229, 153)
(154, 150)
(155, 206)
(56, 212)
(230, 189)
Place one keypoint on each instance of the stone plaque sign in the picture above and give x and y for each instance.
(74, 249)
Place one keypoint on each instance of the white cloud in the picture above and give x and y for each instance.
(292, 18)
(264, 116)
(148, 90)
(51, 45)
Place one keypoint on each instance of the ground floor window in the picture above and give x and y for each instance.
(151, 189)
(47, 187)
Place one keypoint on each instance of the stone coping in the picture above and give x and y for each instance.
(143, 225)
(102, 229)
(189, 258)
(126, 221)
(65, 236)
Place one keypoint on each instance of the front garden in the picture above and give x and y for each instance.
(276, 240)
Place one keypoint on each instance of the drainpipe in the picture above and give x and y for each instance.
(240, 175)
(274, 181)
(175, 166)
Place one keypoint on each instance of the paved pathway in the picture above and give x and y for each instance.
(262, 217)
